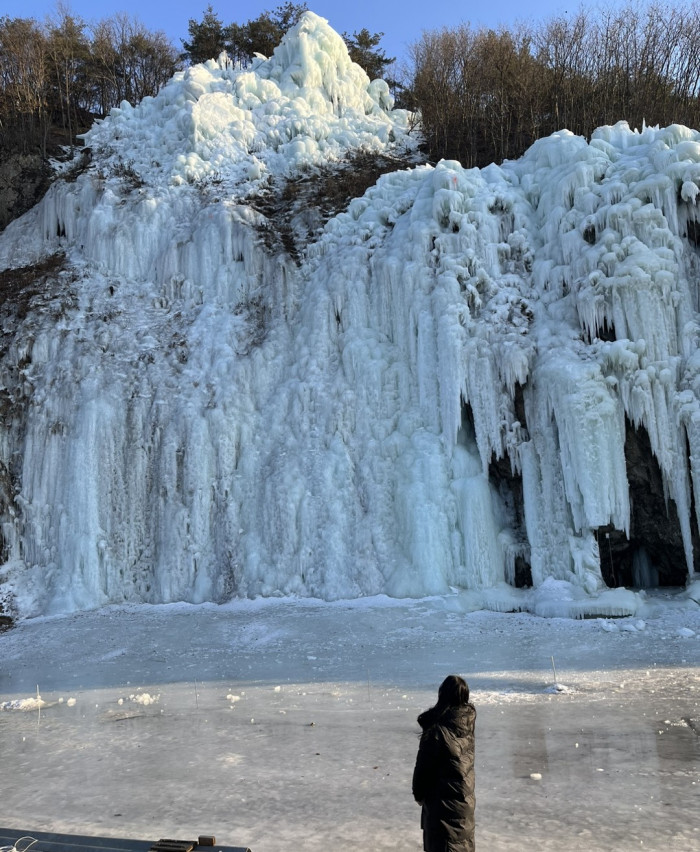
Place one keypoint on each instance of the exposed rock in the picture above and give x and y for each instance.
(24, 178)
(296, 209)
(654, 525)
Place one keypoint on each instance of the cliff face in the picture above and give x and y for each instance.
(24, 178)
(221, 385)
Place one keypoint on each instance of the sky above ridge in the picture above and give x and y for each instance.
(401, 22)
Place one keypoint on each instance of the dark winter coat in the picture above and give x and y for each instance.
(443, 780)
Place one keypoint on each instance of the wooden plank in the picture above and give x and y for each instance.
(54, 842)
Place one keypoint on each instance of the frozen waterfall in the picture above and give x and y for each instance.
(466, 380)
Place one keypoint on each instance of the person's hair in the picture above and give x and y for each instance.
(453, 692)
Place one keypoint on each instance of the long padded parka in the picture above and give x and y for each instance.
(443, 780)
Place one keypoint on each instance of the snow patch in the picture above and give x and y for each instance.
(23, 704)
(144, 698)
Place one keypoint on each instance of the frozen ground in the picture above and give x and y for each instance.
(290, 725)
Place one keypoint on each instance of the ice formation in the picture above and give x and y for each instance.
(436, 394)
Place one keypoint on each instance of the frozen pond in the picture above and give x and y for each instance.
(286, 725)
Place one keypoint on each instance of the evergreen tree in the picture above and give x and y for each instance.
(264, 33)
(361, 47)
(207, 38)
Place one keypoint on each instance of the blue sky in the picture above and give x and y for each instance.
(402, 22)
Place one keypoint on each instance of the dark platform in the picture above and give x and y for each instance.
(49, 842)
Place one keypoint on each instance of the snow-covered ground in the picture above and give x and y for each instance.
(288, 724)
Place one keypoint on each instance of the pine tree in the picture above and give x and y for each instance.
(361, 47)
(264, 33)
(207, 38)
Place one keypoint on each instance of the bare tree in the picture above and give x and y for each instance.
(60, 74)
(23, 83)
(128, 62)
(486, 95)
(68, 51)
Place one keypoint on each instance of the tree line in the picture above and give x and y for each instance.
(486, 95)
(56, 76)
(483, 95)
(210, 37)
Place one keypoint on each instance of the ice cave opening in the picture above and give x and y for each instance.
(653, 555)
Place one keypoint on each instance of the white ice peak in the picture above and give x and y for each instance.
(305, 105)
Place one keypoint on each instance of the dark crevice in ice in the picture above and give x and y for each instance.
(693, 232)
(509, 487)
(606, 332)
(519, 405)
(654, 554)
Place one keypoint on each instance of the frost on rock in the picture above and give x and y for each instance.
(469, 380)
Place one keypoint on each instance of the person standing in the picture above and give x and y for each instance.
(443, 779)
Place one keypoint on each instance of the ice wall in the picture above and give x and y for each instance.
(189, 415)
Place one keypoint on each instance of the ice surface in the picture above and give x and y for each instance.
(284, 724)
(200, 414)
